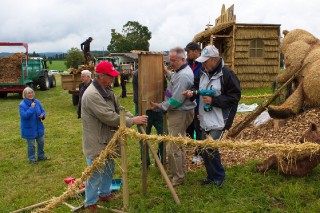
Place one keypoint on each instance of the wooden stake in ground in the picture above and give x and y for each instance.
(163, 172)
(234, 131)
(124, 162)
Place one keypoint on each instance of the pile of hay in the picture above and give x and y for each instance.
(10, 68)
(289, 133)
(80, 68)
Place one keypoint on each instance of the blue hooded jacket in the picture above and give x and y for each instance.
(31, 125)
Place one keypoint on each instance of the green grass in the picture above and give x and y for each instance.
(57, 65)
(23, 184)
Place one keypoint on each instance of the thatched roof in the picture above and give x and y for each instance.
(198, 37)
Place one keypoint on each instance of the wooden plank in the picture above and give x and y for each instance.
(150, 81)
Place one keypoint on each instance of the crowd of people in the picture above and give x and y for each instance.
(184, 103)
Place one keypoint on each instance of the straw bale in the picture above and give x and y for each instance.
(10, 68)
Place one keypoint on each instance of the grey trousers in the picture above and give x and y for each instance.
(178, 122)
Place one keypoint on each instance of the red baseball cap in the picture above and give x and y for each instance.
(106, 67)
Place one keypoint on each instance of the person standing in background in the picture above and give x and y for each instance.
(193, 52)
(155, 118)
(85, 82)
(124, 78)
(85, 47)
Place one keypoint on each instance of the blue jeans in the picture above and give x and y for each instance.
(32, 149)
(99, 183)
(212, 159)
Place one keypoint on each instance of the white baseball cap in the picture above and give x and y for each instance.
(208, 52)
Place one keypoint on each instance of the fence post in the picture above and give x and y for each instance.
(124, 162)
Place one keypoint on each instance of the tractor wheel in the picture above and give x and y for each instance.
(53, 82)
(75, 99)
(44, 82)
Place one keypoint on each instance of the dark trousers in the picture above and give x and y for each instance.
(88, 57)
(211, 158)
(124, 89)
(154, 119)
(194, 127)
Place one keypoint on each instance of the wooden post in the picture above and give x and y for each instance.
(124, 162)
(144, 165)
(163, 172)
(31, 207)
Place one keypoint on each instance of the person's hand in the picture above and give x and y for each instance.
(154, 105)
(142, 120)
(165, 70)
(33, 104)
(187, 93)
(207, 99)
(40, 116)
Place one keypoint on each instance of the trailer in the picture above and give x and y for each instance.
(19, 71)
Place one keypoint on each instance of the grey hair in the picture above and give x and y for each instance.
(26, 91)
(86, 72)
(180, 52)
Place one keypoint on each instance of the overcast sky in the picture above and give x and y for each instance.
(58, 25)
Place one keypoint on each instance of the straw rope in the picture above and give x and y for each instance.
(289, 151)
(256, 96)
(108, 153)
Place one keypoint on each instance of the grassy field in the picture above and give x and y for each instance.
(57, 65)
(23, 184)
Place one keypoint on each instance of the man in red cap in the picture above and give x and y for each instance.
(100, 120)
(85, 47)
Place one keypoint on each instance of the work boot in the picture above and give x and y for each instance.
(92, 208)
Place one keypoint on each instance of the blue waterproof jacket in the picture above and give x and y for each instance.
(31, 125)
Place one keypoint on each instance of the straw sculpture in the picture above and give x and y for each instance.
(301, 50)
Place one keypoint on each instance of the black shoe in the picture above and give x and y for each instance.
(43, 159)
(206, 182)
(218, 183)
(32, 161)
